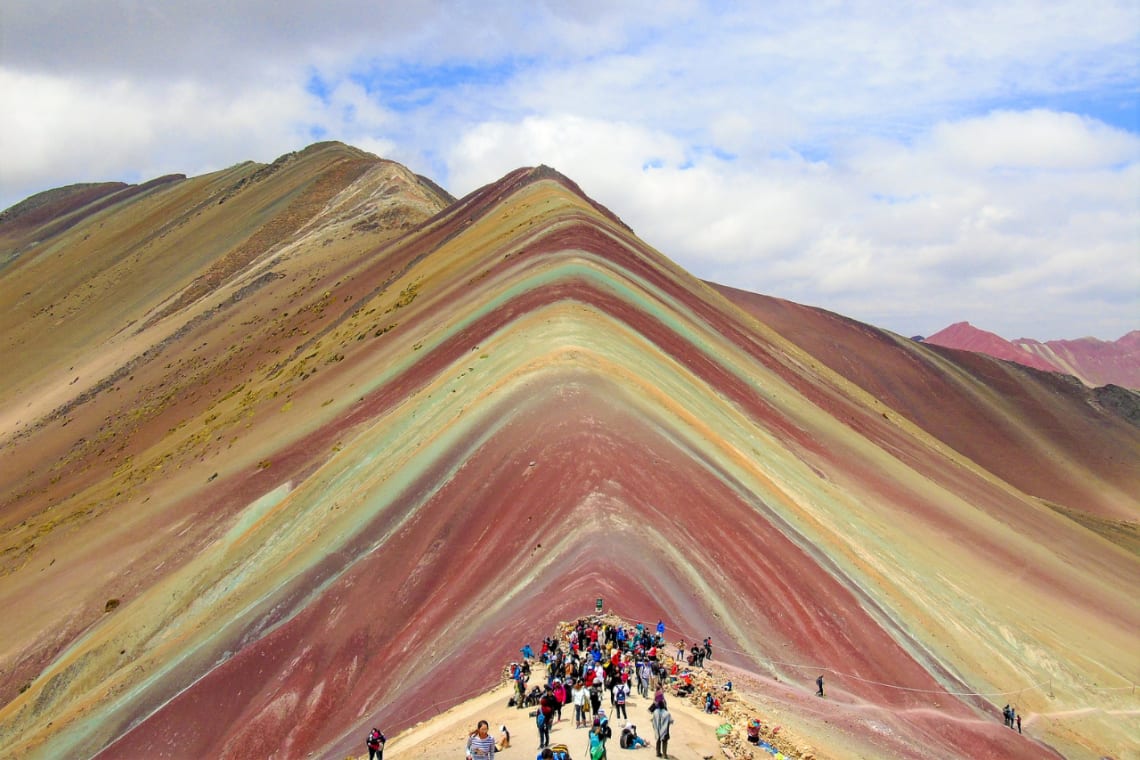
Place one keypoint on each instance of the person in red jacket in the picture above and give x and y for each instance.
(375, 743)
(560, 698)
(545, 718)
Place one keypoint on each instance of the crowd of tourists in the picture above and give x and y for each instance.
(593, 663)
(594, 668)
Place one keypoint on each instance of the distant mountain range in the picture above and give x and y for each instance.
(1094, 362)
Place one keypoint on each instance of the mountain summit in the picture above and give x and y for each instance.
(1094, 362)
(294, 449)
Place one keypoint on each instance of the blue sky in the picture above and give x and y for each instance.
(906, 165)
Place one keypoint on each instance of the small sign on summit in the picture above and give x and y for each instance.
(598, 604)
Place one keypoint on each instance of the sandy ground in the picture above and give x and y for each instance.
(693, 735)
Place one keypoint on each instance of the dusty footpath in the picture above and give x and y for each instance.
(693, 735)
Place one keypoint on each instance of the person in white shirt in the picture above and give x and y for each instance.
(480, 744)
(578, 696)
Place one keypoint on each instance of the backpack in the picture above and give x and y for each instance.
(560, 752)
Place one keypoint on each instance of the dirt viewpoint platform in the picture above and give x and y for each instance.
(693, 736)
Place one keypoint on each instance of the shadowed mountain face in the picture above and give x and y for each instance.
(289, 450)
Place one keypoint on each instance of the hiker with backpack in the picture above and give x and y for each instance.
(375, 743)
(621, 693)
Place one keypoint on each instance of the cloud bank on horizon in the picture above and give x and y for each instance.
(906, 166)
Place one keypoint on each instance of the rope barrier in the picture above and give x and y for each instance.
(833, 671)
(458, 698)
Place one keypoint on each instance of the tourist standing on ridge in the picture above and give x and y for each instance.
(661, 630)
(621, 693)
(599, 733)
(595, 697)
(560, 698)
(579, 696)
(480, 744)
(644, 674)
(819, 686)
(545, 717)
(662, 720)
(375, 743)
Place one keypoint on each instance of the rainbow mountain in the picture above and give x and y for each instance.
(291, 449)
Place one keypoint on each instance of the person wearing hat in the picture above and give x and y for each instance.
(596, 749)
(602, 725)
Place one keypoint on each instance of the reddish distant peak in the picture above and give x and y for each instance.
(1130, 340)
(966, 337)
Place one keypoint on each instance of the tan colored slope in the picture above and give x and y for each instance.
(79, 417)
(156, 253)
